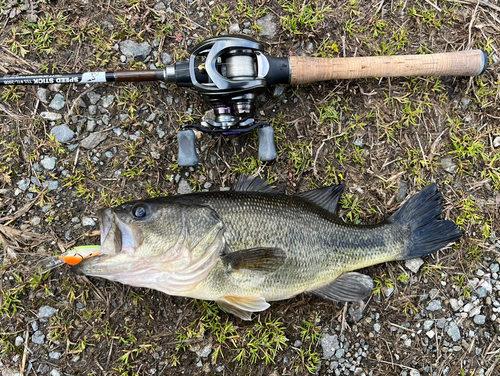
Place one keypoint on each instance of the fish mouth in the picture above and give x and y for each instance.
(119, 241)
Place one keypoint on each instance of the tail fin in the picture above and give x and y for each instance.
(428, 233)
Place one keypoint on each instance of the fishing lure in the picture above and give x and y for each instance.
(72, 257)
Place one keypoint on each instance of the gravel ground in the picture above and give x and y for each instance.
(69, 150)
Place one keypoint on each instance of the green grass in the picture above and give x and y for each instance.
(302, 16)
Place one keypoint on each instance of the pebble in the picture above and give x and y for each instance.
(38, 337)
(93, 97)
(48, 163)
(94, 139)
(434, 305)
(297, 344)
(23, 184)
(453, 331)
(377, 327)
(268, 26)
(206, 351)
(91, 124)
(414, 372)
(339, 354)
(62, 133)
(448, 165)
(330, 345)
(108, 100)
(19, 341)
(358, 142)
(494, 268)
(92, 110)
(479, 319)
(137, 51)
(496, 142)
(234, 28)
(51, 185)
(402, 193)
(55, 372)
(184, 187)
(414, 264)
(481, 292)
(430, 334)
(42, 95)
(428, 324)
(46, 312)
(166, 58)
(57, 102)
(219, 369)
(279, 90)
(455, 304)
(87, 221)
(52, 116)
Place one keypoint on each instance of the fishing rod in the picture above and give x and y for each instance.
(230, 71)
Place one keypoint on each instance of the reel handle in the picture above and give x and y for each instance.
(461, 63)
(267, 150)
(187, 148)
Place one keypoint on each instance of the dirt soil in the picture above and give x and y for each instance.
(385, 139)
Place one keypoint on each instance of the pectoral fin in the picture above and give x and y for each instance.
(243, 307)
(349, 287)
(255, 259)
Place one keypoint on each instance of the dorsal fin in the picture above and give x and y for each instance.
(253, 183)
(328, 197)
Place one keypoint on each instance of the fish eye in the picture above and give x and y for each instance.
(139, 211)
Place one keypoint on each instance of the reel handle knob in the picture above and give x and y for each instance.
(187, 148)
(267, 150)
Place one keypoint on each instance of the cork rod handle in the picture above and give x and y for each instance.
(462, 63)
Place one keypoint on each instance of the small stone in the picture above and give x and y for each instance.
(330, 345)
(166, 58)
(481, 292)
(377, 327)
(496, 142)
(402, 193)
(414, 264)
(62, 133)
(19, 341)
(93, 97)
(206, 351)
(455, 304)
(42, 95)
(387, 291)
(339, 353)
(137, 51)
(184, 187)
(57, 102)
(234, 28)
(87, 221)
(468, 307)
(92, 110)
(219, 369)
(55, 372)
(428, 324)
(434, 305)
(358, 142)
(43, 368)
(51, 185)
(38, 337)
(93, 140)
(430, 334)
(46, 312)
(268, 26)
(453, 331)
(494, 268)
(52, 116)
(48, 163)
(414, 372)
(23, 184)
(279, 90)
(448, 165)
(91, 124)
(297, 344)
(479, 319)
(108, 101)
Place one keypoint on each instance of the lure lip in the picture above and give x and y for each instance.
(77, 254)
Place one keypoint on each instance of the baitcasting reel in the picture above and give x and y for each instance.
(229, 71)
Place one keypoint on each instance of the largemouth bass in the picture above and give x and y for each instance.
(247, 247)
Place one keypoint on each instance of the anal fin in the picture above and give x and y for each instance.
(243, 306)
(349, 287)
